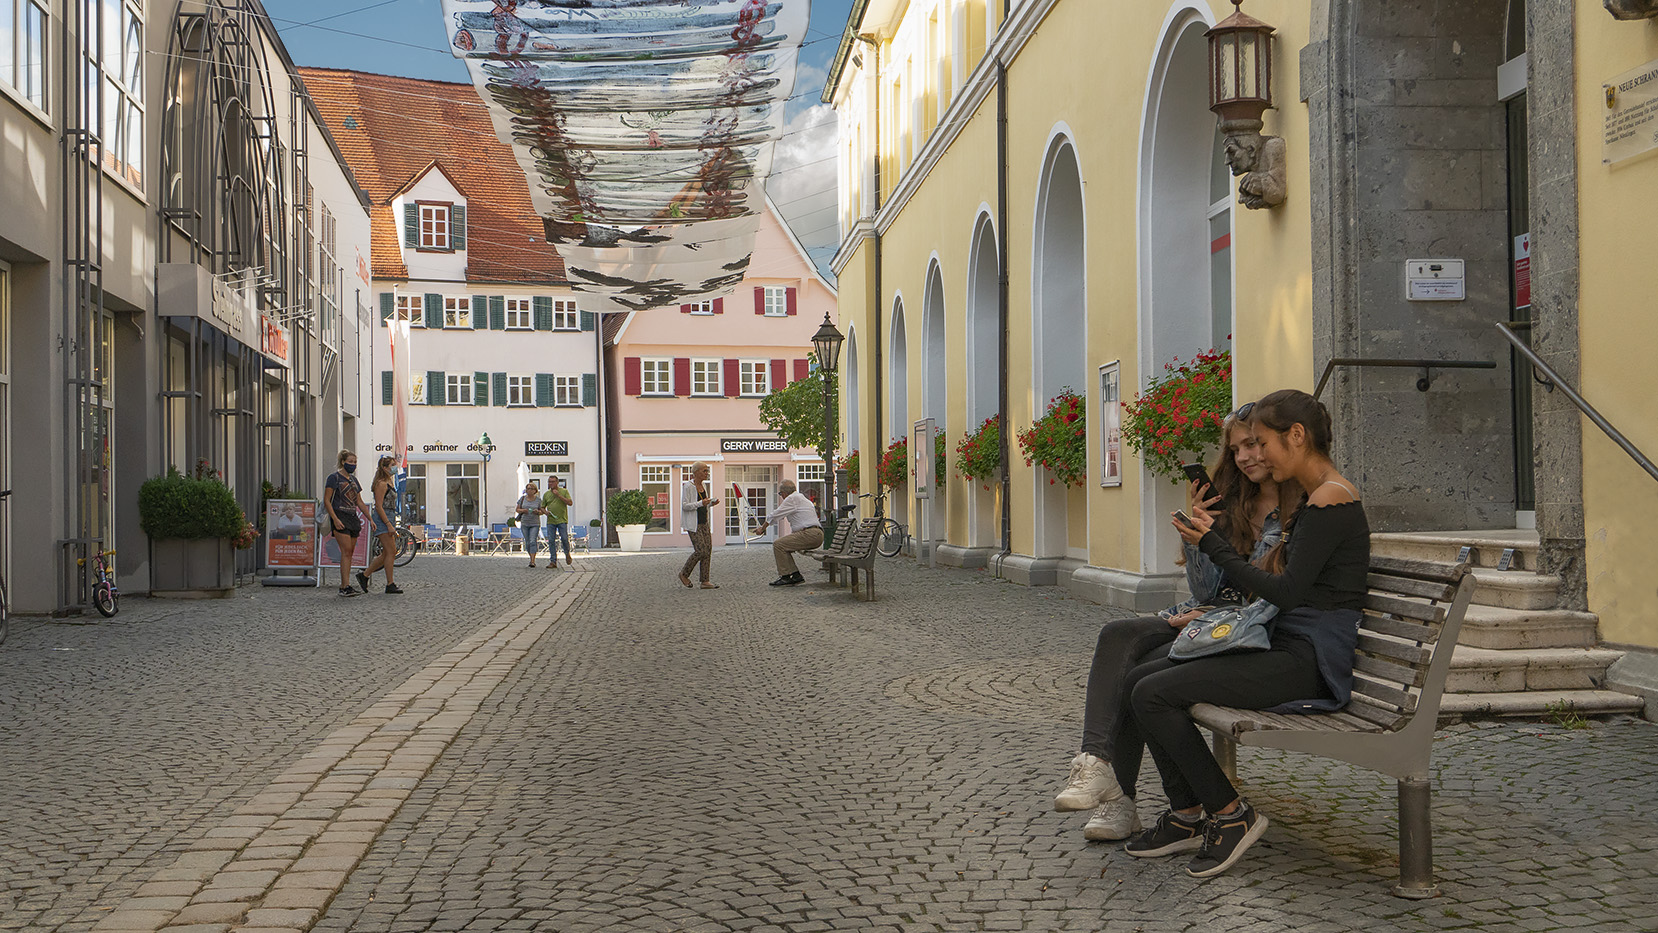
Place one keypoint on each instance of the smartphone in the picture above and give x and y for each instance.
(1197, 474)
(1184, 519)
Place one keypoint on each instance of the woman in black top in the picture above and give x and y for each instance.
(1316, 578)
(342, 496)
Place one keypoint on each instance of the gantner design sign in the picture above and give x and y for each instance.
(752, 445)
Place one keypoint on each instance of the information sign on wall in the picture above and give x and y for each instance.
(1522, 271)
(1631, 115)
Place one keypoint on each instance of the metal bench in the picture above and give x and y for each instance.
(858, 554)
(1413, 614)
(832, 547)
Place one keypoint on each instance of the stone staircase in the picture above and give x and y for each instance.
(1518, 654)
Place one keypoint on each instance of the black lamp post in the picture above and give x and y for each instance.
(484, 447)
(826, 345)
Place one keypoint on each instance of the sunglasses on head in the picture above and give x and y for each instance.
(1243, 411)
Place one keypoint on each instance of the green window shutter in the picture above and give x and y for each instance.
(480, 388)
(543, 390)
(589, 320)
(500, 380)
(386, 397)
(480, 312)
(434, 311)
(457, 226)
(411, 225)
(589, 390)
(543, 312)
(497, 312)
(388, 306)
(436, 392)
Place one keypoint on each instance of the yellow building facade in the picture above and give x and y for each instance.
(1070, 143)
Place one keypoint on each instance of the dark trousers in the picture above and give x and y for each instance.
(1162, 691)
(1123, 645)
(702, 548)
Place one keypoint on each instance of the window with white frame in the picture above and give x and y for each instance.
(565, 315)
(121, 65)
(656, 379)
(809, 478)
(23, 38)
(457, 312)
(328, 285)
(521, 391)
(702, 307)
(411, 308)
(567, 391)
(705, 377)
(541, 471)
(756, 377)
(458, 388)
(655, 482)
(434, 226)
(777, 300)
(520, 314)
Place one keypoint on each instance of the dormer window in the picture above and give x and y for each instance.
(434, 226)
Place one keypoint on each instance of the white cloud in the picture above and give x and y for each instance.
(803, 180)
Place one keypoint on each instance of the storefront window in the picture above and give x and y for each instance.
(656, 482)
(461, 493)
(758, 485)
(809, 477)
(414, 495)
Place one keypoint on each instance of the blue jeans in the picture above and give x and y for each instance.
(556, 532)
(532, 539)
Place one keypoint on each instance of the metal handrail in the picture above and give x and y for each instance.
(1553, 378)
(1423, 382)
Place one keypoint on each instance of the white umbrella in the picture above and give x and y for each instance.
(523, 477)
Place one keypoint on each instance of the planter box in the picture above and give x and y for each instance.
(182, 569)
(632, 537)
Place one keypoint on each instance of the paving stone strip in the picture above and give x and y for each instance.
(277, 861)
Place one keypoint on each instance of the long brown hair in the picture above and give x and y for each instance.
(1280, 411)
(382, 470)
(1240, 493)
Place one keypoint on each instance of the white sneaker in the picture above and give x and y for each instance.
(1113, 820)
(1091, 784)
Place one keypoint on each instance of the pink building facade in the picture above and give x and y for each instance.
(690, 384)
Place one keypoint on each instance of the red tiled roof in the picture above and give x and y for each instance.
(391, 131)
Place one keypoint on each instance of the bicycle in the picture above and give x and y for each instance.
(889, 535)
(5, 603)
(407, 544)
(105, 595)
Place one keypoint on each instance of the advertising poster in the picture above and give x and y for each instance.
(359, 558)
(1111, 413)
(291, 533)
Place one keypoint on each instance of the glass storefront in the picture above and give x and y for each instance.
(461, 492)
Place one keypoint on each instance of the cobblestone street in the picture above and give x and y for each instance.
(605, 750)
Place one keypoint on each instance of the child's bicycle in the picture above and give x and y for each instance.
(105, 595)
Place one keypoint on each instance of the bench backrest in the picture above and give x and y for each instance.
(1412, 614)
(861, 543)
(843, 530)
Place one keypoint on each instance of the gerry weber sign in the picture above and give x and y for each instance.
(546, 448)
(752, 445)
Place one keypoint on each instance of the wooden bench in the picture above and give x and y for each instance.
(1412, 616)
(858, 554)
(834, 546)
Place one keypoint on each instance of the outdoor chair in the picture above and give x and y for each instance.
(498, 537)
(515, 539)
(480, 539)
(578, 538)
(436, 540)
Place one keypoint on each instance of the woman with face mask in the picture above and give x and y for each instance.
(343, 498)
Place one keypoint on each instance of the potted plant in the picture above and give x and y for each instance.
(193, 522)
(1179, 415)
(630, 512)
(1059, 440)
(979, 453)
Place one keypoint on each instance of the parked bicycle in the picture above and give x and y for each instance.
(407, 544)
(105, 595)
(5, 602)
(890, 535)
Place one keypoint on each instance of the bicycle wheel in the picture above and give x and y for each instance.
(103, 597)
(890, 539)
(407, 548)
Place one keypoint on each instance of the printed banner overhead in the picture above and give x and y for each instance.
(645, 129)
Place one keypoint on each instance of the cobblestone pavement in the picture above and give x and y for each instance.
(663, 759)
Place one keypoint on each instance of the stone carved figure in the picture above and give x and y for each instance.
(1632, 9)
(1258, 162)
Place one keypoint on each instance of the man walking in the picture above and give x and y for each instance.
(805, 532)
(556, 506)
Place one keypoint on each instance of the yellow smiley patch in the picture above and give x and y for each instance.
(1220, 631)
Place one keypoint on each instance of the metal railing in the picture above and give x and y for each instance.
(1423, 382)
(1551, 380)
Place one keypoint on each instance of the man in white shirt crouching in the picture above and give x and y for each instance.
(799, 516)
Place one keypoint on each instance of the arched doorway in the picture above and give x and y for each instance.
(934, 399)
(898, 387)
(983, 371)
(1059, 328)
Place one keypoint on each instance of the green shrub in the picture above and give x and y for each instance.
(179, 506)
(630, 507)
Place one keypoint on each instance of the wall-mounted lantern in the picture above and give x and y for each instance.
(1240, 91)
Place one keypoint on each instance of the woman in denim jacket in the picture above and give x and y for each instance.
(1104, 773)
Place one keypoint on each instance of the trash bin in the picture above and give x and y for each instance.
(463, 544)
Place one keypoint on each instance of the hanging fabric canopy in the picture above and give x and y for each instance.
(645, 129)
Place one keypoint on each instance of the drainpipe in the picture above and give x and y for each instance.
(1002, 298)
(875, 69)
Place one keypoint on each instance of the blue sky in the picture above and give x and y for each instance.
(406, 37)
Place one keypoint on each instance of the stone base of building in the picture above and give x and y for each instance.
(1139, 592)
(1636, 673)
(969, 558)
(1029, 571)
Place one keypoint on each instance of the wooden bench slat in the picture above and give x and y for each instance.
(1385, 718)
(1399, 628)
(1422, 612)
(1420, 569)
(1405, 652)
(1427, 589)
(1383, 693)
(1390, 672)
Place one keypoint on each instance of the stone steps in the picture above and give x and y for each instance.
(1536, 704)
(1484, 670)
(1500, 628)
(1443, 546)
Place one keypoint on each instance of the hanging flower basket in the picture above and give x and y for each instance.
(1059, 440)
(1178, 418)
(849, 463)
(894, 469)
(979, 452)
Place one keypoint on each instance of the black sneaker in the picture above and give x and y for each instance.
(1226, 840)
(1169, 835)
(347, 591)
(784, 580)
(393, 589)
(362, 580)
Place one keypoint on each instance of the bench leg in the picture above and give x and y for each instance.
(1226, 755)
(1416, 841)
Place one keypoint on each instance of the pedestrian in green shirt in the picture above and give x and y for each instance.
(556, 503)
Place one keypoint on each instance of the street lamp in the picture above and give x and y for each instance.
(1240, 91)
(484, 447)
(826, 345)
